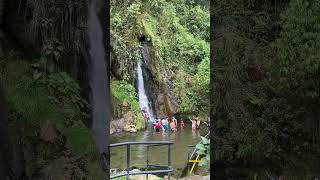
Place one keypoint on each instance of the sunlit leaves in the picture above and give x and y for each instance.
(203, 149)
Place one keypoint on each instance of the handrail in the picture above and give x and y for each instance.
(169, 169)
(142, 142)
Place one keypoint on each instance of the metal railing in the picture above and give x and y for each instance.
(168, 169)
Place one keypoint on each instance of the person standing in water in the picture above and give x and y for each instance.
(175, 121)
(198, 123)
(181, 123)
(173, 126)
(158, 126)
(165, 123)
(193, 124)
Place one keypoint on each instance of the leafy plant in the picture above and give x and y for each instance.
(53, 49)
(65, 92)
(203, 149)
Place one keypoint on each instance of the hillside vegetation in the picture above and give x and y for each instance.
(265, 94)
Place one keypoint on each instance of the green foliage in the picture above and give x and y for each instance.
(21, 93)
(65, 92)
(203, 149)
(179, 33)
(53, 49)
(298, 50)
(30, 99)
(266, 91)
(125, 92)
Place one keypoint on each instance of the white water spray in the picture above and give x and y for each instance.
(143, 99)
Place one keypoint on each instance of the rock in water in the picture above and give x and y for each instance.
(129, 118)
(49, 132)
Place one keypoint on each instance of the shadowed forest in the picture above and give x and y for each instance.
(265, 89)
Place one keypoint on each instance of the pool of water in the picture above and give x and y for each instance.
(156, 155)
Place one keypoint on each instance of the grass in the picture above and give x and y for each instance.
(28, 100)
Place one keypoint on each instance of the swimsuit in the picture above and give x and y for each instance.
(165, 126)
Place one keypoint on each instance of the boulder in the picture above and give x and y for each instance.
(129, 118)
(117, 125)
(125, 103)
(127, 123)
(112, 130)
(130, 128)
(49, 132)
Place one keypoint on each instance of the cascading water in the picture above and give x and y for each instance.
(144, 105)
(143, 99)
(100, 112)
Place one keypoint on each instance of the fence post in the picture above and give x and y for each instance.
(128, 161)
(169, 159)
(147, 161)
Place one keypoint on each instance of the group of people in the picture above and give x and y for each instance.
(172, 124)
(166, 124)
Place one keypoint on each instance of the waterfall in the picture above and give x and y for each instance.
(143, 99)
(98, 81)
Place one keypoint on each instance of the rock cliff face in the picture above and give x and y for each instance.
(163, 103)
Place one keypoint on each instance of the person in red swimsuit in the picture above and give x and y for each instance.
(158, 126)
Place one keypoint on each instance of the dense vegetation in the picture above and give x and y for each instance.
(266, 95)
(39, 77)
(54, 98)
(179, 33)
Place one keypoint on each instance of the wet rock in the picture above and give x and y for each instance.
(130, 128)
(49, 132)
(170, 105)
(116, 125)
(129, 118)
(165, 105)
(160, 99)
